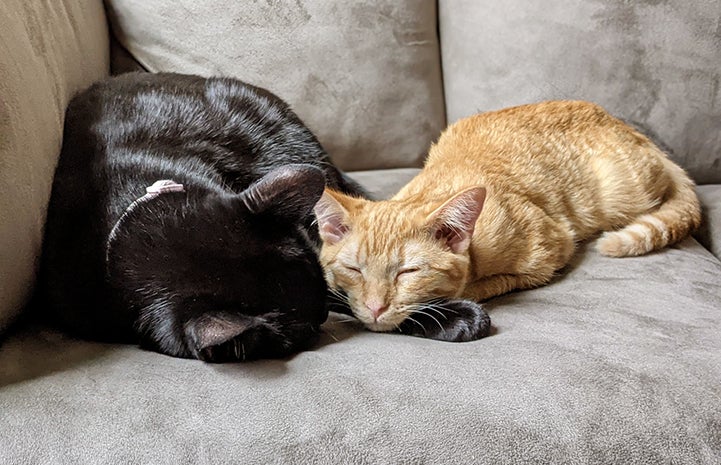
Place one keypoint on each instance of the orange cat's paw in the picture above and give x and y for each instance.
(450, 320)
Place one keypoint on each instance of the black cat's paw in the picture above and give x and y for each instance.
(240, 338)
(228, 351)
(454, 320)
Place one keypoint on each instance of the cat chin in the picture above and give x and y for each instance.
(381, 327)
(389, 321)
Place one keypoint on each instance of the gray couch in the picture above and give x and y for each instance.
(618, 361)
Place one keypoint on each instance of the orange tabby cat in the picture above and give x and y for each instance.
(501, 203)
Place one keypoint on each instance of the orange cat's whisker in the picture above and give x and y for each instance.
(421, 312)
(338, 299)
(439, 310)
(418, 323)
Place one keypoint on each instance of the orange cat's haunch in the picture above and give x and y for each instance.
(501, 203)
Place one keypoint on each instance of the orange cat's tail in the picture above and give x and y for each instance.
(675, 219)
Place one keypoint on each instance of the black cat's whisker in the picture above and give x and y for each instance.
(236, 349)
(332, 336)
(349, 320)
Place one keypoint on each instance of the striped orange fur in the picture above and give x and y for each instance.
(502, 201)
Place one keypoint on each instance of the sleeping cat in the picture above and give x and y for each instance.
(501, 203)
(181, 217)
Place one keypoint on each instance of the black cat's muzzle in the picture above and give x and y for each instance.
(241, 338)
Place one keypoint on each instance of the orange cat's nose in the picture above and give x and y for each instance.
(376, 308)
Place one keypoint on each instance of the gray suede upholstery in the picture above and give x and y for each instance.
(382, 184)
(709, 234)
(617, 361)
(365, 76)
(48, 51)
(654, 63)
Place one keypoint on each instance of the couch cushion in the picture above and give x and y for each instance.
(383, 184)
(364, 76)
(616, 362)
(709, 234)
(652, 63)
(48, 51)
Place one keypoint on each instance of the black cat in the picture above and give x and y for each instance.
(181, 218)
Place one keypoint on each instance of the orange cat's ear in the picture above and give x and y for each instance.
(454, 221)
(332, 217)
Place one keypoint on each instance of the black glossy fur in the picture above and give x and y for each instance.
(453, 320)
(226, 270)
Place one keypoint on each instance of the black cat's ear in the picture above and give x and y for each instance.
(287, 192)
(453, 222)
(211, 331)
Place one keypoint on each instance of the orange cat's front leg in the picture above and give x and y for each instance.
(492, 286)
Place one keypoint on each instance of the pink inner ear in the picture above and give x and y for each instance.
(333, 232)
(455, 221)
(458, 241)
(331, 218)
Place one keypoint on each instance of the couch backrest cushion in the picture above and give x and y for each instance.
(48, 51)
(653, 63)
(364, 76)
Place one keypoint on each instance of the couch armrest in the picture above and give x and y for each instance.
(709, 234)
(48, 51)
